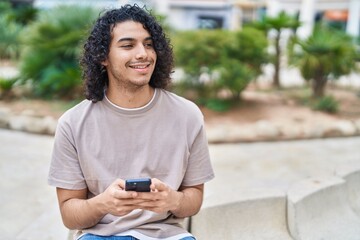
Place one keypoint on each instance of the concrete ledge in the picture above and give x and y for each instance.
(351, 174)
(245, 215)
(318, 208)
(27, 121)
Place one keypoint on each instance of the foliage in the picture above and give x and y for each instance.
(162, 20)
(229, 60)
(203, 48)
(50, 58)
(23, 15)
(249, 46)
(326, 104)
(9, 42)
(278, 23)
(5, 6)
(219, 105)
(326, 53)
(235, 76)
(199, 53)
(9, 31)
(6, 86)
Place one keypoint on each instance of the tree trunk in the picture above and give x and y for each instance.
(318, 86)
(276, 81)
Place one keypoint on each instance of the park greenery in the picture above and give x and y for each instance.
(277, 25)
(217, 64)
(217, 60)
(51, 49)
(324, 55)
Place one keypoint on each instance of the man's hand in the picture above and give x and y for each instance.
(183, 203)
(116, 201)
(78, 212)
(161, 198)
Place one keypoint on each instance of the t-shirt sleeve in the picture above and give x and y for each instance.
(199, 169)
(65, 171)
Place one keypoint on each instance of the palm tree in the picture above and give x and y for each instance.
(279, 23)
(326, 53)
(51, 48)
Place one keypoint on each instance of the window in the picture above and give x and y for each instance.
(210, 22)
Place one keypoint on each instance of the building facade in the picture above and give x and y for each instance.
(232, 14)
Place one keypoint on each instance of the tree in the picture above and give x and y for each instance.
(195, 50)
(249, 47)
(279, 23)
(235, 76)
(52, 45)
(236, 56)
(326, 53)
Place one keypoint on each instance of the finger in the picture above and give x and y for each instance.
(119, 183)
(149, 204)
(156, 184)
(135, 202)
(147, 196)
(122, 194)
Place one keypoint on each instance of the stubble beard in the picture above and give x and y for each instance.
(131, 85)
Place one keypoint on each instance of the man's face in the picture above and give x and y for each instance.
(132, 58)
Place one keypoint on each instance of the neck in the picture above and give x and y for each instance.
(130, 98)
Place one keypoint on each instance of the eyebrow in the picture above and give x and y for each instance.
(132, 39)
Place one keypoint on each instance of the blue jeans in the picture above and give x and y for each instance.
(89, 236)
(96, 237)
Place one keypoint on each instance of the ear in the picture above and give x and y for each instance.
(104, 63)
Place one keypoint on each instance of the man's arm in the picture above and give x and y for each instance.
(190, 201)
(182, 203)
(78, 212)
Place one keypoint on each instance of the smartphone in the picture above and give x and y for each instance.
(138, 185)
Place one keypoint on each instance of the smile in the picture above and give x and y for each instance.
(140, 66)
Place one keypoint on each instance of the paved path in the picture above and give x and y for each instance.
(28, 206)
(28, 209)
(279, 164)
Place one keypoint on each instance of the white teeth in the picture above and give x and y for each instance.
(139, 67)
(135, 66)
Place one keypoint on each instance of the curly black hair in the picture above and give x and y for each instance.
(96, 50)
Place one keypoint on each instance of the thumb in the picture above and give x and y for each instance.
(156, 184)
(119, 183)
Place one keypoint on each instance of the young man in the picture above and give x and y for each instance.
(129, 127)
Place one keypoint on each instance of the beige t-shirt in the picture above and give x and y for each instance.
(96, 143)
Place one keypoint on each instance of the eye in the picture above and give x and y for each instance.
(149, 45)
(127, 46)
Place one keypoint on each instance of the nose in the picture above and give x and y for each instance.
(141, 52)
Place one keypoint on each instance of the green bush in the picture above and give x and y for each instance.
(23, 15)
(12, 21)
(9, 42)
(236, 57)
(9, 31)
(326, 104)
(6, 87)
(235, 76)
(202, 48)
(219, 105)
(52, 48)
(249, 47)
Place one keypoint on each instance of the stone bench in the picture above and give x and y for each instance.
(318, 208)
(312, 209)
(351, 174)
(246, 215)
